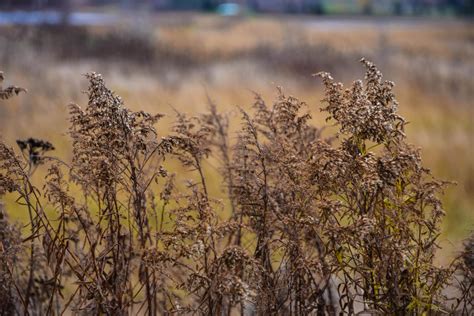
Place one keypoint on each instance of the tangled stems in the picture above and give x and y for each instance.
(306, 224)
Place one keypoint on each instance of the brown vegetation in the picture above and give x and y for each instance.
(310, 224)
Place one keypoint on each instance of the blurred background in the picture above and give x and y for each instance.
(161, 55)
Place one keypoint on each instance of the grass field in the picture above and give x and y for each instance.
(178, 62)
(174, 61)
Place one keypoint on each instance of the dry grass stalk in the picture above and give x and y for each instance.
(321, 226)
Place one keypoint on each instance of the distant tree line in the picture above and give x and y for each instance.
(396, 7)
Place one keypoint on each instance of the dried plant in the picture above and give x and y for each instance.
(10, 91)
(383, 235)
(10, 246)
(310, 224)
(464, 279)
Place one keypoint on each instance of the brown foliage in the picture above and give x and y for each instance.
(10, 91)
(318, 225)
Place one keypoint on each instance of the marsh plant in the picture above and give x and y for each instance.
(310, 222)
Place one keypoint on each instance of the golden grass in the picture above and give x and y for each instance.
(442, 122)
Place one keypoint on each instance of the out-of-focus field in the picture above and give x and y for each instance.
(163, 62)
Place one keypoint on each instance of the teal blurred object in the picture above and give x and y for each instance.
(229, 9)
